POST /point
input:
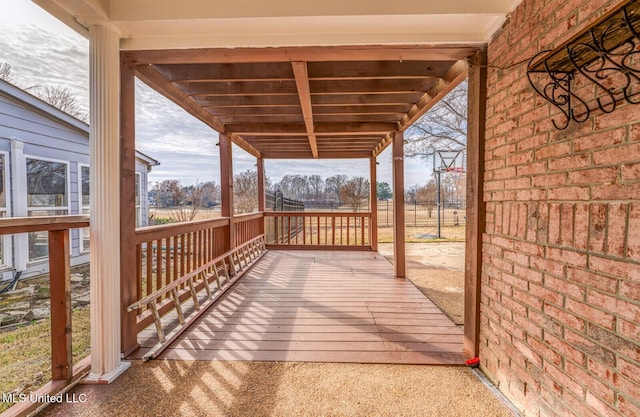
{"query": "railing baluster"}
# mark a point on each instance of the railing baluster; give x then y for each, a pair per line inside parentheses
(158, 266)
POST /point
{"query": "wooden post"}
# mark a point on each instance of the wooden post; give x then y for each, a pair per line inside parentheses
(128, 259)
(226, 187)
(398, 205)
(373, 204)
(476, 211)
(261, 196)
(60, 283)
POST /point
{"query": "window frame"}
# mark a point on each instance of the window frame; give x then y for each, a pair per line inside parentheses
(29, 209)
(81, 206)
(7, 258)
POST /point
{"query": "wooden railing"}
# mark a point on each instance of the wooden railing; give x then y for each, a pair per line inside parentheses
(63, 372)
(168, 252)
(318, 230)
(248, 226)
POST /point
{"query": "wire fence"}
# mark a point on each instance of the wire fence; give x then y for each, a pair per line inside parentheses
(450, 213)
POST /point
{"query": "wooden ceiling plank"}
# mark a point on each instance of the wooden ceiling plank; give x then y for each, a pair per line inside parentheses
(246, 118)
(335, 118)
(302, 83)
(238, 88)
(274, 71)
(264, 111)
(449, 52)
(362, 109)
(454, 76)
(365, 99)
(377, 69)
(371, 86)
(250, 101)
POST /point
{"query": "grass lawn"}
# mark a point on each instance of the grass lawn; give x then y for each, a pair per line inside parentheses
(449, 234)
(25, 354)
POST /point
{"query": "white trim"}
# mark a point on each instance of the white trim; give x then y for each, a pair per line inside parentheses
(19, 182)
(53, 208)
(7, 261)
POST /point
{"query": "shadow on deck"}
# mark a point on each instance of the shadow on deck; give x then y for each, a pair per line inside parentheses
(319, 306)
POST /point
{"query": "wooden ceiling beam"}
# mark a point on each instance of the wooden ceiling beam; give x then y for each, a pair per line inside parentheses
(454, 76)
(238, 88)
(362, 109)
(296, 129)
(382, 145)
(371, 86)
(250, 101)
(302, 83)
(272, 71)
(352, 118)
(246, 146)
(263, 111)
(308, 155)
(377, 69)
(262, 118)
(365, 99)
(306, 53)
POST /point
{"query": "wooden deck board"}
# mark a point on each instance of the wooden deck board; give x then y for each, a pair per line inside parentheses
(319, 307)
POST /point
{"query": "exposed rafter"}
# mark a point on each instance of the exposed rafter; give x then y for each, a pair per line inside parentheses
(454, 76)
(301, 75)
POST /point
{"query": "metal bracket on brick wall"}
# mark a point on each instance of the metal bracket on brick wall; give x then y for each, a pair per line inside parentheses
(596, 69)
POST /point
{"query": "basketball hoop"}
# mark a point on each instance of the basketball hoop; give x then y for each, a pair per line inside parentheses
(450, 161)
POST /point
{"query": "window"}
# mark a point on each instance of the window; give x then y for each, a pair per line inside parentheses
(47, 195)
(84, 205)
(3, 204)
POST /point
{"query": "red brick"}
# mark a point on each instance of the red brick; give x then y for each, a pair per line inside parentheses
(614, 305)
(569, 193)
(618, 155)
(548, 266)
(597, 227)
(592, 384)
(517, 183)
(554, 223)
(591, 348)
(581, 226)
(629, 330)
(633, 245)
(622, 269)
(624, 191)
(599, 140)
(590, 313)
(593, 280)
(550, 180)
(563, 379)
(627, 407)
(549, 296)
(616, 229)
(630, 172)
(565, 287)
(567, 319)
(553, 150)
(564, 348)
(527, 274)
(566, 224)
(570, 162)
(569, 257)
(594, 175)
(520, 158)
(603, 372)
(532, 142)
(604, 408)
(630, 383)
(535, 168)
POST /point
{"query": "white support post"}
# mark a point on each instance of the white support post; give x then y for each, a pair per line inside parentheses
(104, 76)
(19, 201)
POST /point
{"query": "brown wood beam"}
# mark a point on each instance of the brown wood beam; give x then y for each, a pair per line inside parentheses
(373, 205)
(310, 53)
(304, 94)
(358, 118)
(128, 279)
(261, 193)
(254, 110)
(348, 99)
(261, 118)
(382, 145)
(371, 86)
(454, 76)
(60, 296)
(362, 109)
(377, 69)
(399, 256)
(246, 146)
(476, 209)
(249, 101)
(295, 129)
(274, 71)
(242, 88)
(321, 155)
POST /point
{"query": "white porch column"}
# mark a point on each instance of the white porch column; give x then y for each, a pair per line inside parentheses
(104, 114)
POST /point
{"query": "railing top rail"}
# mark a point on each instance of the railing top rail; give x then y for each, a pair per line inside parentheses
(248, 216)
(149, 233)
(12, 225)
(318, 214)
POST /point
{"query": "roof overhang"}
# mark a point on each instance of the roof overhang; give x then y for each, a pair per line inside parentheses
(297, 79)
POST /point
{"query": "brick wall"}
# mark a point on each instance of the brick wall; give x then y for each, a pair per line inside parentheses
(560, 304)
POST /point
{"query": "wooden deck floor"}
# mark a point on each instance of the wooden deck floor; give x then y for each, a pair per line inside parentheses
(320, 307)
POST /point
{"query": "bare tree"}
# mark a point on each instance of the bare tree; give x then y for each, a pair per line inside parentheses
(5, 72)
(334, 184)
(443, 127)
(62, 99)
(355, 192)
(245, 191)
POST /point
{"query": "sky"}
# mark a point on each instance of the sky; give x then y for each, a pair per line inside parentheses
(43, 51)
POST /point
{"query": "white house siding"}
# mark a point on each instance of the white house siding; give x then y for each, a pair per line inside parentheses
(49, 134)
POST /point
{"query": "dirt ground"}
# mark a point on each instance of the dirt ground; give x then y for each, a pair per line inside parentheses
(437, 269)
